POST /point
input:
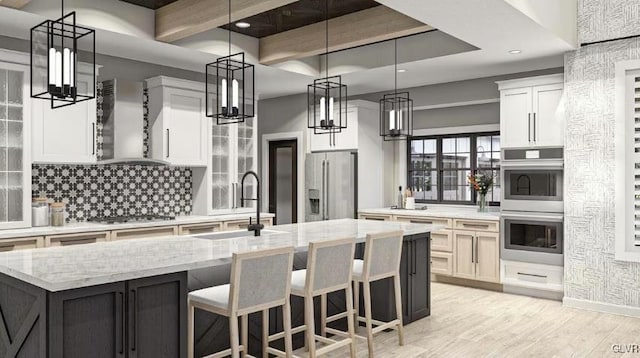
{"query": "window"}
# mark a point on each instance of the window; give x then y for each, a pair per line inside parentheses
(627, 161)
(439, 166)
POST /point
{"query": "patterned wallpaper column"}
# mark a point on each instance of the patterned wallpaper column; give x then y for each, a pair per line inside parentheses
(591, 271)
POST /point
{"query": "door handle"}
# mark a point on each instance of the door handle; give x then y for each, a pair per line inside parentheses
(415, 257)
(168, 145)
(473, 249)
(529, 127)
(324, 189)
(531, 275)
(535, 134)
(477, 244)
(134, 321)
(328, 189)
(120, 312)
(93, 139)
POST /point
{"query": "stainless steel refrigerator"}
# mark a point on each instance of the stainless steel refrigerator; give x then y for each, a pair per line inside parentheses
(331, 185)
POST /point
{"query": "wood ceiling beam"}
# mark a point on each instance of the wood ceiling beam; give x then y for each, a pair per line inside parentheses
(376, 24)
(16, 4)
(185, 18)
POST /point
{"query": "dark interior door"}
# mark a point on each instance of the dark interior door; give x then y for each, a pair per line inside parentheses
(283, 181)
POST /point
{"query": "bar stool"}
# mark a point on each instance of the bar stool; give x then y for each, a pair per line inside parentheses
(260, 280)
(329, 269)
(382, 255)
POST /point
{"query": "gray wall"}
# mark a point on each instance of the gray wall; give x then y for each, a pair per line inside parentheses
(455, 92)
(116, 67)
(591, 271)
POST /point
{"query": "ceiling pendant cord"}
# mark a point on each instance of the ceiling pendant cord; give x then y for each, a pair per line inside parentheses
(229, 29)
(395, 42)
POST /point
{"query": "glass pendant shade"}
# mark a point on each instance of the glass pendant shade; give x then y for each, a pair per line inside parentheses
(230, 89)
(327, 105)
(396, 116)
(61, 51)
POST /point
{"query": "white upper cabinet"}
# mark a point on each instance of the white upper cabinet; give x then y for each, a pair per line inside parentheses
(67, 134)
(347, 139)
(177, 121)
(531, 112)
(15, 160)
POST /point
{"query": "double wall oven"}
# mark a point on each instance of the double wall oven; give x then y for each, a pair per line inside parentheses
(532, 206)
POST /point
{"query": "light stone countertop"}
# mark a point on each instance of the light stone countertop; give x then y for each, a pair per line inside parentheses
(93, 227)
(63, 268)
(441, 211)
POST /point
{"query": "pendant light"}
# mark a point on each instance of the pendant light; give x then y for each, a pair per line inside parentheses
(58, 48)
(327, 98)
(396, 110)
(230, 89)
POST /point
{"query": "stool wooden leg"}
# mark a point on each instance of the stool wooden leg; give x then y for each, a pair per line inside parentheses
(367, 314)
(356, 300)
(265, 333)
(323, 315)
(190, 335)
(288, 341)
(234, 336)
(245, 334)
(398, 295)
(310, 326)
(350, 321)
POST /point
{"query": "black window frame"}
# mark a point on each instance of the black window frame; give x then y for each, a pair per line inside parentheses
(473, 137)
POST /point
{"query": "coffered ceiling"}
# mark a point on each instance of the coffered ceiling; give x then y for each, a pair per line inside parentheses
(150, 4)
(298, 14)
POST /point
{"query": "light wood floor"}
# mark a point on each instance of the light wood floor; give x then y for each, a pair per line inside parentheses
(468, 322)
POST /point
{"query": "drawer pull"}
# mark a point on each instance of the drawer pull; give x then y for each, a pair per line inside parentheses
(91, 240)
(476, 226)
(5, 248)
(421, 222)
(531, 275)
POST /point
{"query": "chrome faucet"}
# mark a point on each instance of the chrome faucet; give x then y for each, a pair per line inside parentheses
(257, 226)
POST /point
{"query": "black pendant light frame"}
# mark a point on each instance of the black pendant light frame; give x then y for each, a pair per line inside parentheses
(224, 77)
(328, 116)
(62, 36)
(396, 111)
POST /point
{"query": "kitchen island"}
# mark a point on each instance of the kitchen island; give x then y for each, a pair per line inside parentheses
(128, 298)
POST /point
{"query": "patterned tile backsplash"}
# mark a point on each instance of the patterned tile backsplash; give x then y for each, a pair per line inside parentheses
(105, 190)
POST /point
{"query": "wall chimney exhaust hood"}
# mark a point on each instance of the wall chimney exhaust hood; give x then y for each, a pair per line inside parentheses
(123, 124)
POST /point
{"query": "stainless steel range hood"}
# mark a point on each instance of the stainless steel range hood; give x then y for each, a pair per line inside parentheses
(123, 124)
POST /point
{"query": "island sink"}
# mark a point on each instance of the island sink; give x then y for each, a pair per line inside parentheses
(234, 234)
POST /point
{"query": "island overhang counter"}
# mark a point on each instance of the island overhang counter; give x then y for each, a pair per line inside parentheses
(128, 298)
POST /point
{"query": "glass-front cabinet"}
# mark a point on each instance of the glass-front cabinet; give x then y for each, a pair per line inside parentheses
(233, 153)
(15, 168)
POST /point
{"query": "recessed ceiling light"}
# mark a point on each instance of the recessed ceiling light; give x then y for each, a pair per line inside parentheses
(243, 25)
(515, 52)
(402, 70)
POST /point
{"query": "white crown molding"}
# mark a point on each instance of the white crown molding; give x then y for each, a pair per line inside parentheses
(531, 81)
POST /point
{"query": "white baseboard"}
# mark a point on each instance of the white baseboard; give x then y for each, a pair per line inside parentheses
(601, 307)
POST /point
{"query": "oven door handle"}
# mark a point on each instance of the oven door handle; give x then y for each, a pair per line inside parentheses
(531, 216)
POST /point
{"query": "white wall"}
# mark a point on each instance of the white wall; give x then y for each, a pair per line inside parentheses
(112, 15)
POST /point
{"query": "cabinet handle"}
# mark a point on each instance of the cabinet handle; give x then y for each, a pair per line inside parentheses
(529, 128)
(93, 138)
(90, 240)
(134, 322)
(534, 128)
(477, 244)
(415, 258)
(168, 147)
(531, 274)
(473, 249)
(122, 322)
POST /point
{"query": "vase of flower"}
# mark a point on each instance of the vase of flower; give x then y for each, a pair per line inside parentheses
(481, 183)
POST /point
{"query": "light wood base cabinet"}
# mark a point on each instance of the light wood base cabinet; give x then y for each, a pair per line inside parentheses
(144, 233)
(244, 224)
(23, 243)
(77, 239)
(477, 255)
(442, 263)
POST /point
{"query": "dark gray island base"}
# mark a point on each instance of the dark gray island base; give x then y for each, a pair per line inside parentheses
(138, 318)
(146, 317)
